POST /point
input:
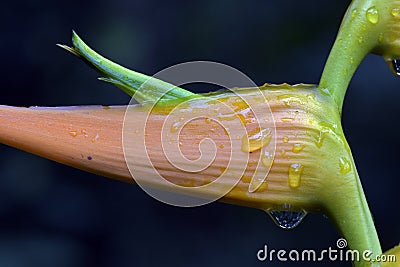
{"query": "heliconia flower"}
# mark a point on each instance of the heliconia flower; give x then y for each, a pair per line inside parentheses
(289, 159)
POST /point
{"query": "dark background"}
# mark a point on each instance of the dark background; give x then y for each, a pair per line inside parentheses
(52, 215)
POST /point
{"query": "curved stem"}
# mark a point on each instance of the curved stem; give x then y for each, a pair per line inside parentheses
(361, 32)
(352, 216)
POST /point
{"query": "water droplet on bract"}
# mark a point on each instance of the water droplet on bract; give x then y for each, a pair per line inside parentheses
(394, 66)
(84, 133)
(395, 11)
(246, 179)
(94, 139)
(295, 171)
(257, 184)
(345, 165)
(287, 219)
(175, 127)
(73, 133)
(267, 159)
(298, 147)
(372, 15)
(256, 139)
(287, 119)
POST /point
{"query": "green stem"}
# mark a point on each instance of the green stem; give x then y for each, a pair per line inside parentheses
(361, 32)
(141, 87)
(351, 215)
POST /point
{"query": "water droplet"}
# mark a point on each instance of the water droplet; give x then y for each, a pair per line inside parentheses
(345, 165)
(256, 139)
(298, 147)
(360, 39)
(287, 119)
(380, 37)
(288, 99)
(395, 11)
(267, 159)
(227, 117)
(295, 171)
(320, 138)
(287, 219)
(394, 66)
(251, 163)
(84, 132)
(372, 15)
(73, 133)
(94, 139)
(246, 179)
(354, 13)
(257, 184)
(285, 139)
(325, 91)
(311, 97)
(175, 127)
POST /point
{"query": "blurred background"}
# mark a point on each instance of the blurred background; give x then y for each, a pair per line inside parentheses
(53, 215)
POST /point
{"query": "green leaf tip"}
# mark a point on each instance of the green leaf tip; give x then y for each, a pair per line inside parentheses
(141, 87)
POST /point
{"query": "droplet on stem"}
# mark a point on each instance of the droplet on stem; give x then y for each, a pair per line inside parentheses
(345, 165)
(354, 13)
(394, 66)
(372, 15)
